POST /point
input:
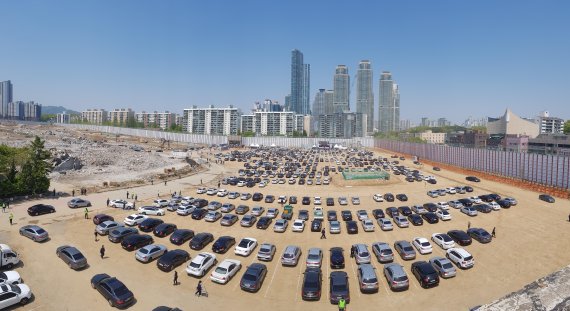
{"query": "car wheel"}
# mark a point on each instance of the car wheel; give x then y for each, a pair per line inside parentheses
(110, 302)
(24, 301)
(93, 285)
(69, 265)
(52, 211)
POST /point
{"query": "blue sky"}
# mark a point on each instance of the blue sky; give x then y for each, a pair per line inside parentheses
(451, 59)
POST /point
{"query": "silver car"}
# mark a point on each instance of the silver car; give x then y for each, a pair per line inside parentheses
(72, 257)
(401, 221)
(443, 266)
(150, 252)
(78, 202)
(385, 224)
(396, 277)
(368, 225)
(361, 214)
(212, 216)
(355, 200)
(118, 234)
(342, 200)
(418, 209)
(106, 226)
(280, 225)
(34, 232)
(272, 212)
(383, 252)
(367, 279)
(291, 255)
(266, 252)
(405, 249)
(361, 253)
(334, 226)
(314, 257)
(257, 210)
(227, 207)
(469, 210)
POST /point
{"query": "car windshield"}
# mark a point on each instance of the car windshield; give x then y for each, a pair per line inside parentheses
(40, 231)
(244, 243)
(265, 250)
(194, 265)
(425, 244)
(288, 255)
(121, 290)
(468, 258)
(143, 250)
(249, 277)
(446, 238)
(313, 256)
(447, 265)
(339, 288)
(363, 254)
(407, 248)
(15, 289)
(77, 256)
(221, 270)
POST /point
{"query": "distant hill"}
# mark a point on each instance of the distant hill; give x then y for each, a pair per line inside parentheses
(57, 109)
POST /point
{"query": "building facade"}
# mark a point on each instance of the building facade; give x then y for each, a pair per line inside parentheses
(306, 98)
(511, 124)
(364, 93)
(63, 118)
(162, 120)
(341, 90)
(550, 125)
(300, 84)
(94, 116)
(274, 123)
(121, 116)
(211, 120)
(6, 97)
(389, 104)
(342, 125)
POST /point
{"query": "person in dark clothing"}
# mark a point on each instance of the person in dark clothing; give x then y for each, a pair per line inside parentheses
(165, 182)
(352, 251)
(73, 192)
(218, 184)
(102, 251)
(96, 239)
(199, 289)
(175, 282)
(323, 236)
(468, 225)
(108, 201)
(127, 194)
(493, 232)
(54, 192)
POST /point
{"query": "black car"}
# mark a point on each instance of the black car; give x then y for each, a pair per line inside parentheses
(472, 178)
(257, 196)
(40, 209)
(303, 214)
(199, 213)
(263, 222)
(351, 227)
(430, 218)
(437, 169)
(180, 236)
(306, 201)
(223, 244)
(316, 225)
(430, 207)
(149, 224)
(495, 196)
(402, 197)
(486, 198)
(332, 216)
(425, 273)
(337, 258)
(293, 200)
(99, 218)
(378, 213)
(504, 203)
(465, 202)
(199, 203)
(405, 210)
(118, 234)
(483, 208)
(172, 259)
(389, 197)
(200, 240)
(136, 241)
(330, 201)
(480, 234)
(546, 198)
(416, 219)
(468, 188)
(253, 277)
(346, 215)
(432, 181)
(164, 229)
(339, 286)
(460, 237)
(312, 283)
(269, 198)
(114, 291)
(392, 211)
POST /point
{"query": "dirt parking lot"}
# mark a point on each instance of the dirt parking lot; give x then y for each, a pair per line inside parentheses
(532, 241)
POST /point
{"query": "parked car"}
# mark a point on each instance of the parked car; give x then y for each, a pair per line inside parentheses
(200, 240)
(443, 240)
(72, 257)
(298, 225)
(351, 227)
(346, 215)
(40, 209)
(316, 225)
(430, 217)
(224, 272)
(291, 255)
(480, 234)
(99, 218)
(280, 225)
(10, 278)
(150, 252)
(460, 237)
(272, 213)
(546, 198)
(378, 197)
(118, 234)
(368, 225)
(172, 259)
(385, 224)
(120, 204)
(134, 219)
(460, 257)
(136, 241)
(422, 245)
(180, 236)
(483, 208)
(425, 273)
(383, 252)
(361, 253)
(416, 219)
(405, 249)
(392, 211)
(113, 290)
(396, 277)
(227, 207)
(245, 246)
(402, 197)
(242, 209)
(78, 202)
(228, 220)
(201, 264)
(336, 258)
(212, 216)
(367, 279)
(164, 229)
(149, 224)
(339, 287)
(443, 215)
(378, 213)
(253, 277)
(106, 226)
(248, 221)
(472, 178)
(34, 233)
(266, 252)
(312, 284)
(257, 210)
(443, 267)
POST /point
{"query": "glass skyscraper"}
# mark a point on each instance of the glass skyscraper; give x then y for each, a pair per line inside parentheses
(300, 84)
(341, 84)
(5, 97)
(389, 104)
(364, 94)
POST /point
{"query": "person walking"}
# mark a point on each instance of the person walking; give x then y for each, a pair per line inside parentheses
(11, 218)
(199, 289)
(4, 207)
(493, 232)
(54, 192)
(201, 183)
(218, 184)
(136, 197)
(86, 213)
(352, 251)
(323, 236)
(108, 201)
(152, 181)
(102, 251)
(175, 281)
(73, 192)
(468, 225)
(341, 304)
(127, 194)
(165, 182)
(96, 239)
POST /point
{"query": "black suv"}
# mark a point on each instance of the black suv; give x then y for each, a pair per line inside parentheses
(425, 273)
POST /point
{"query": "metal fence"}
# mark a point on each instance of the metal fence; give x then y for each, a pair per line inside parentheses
(549, 170)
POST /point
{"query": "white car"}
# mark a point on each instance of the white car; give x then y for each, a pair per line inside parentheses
(10, 277)
(120, 204)
(318, 201)
(245, 246)
(282, 199)
(241, 183)
(361, 214)
(443, 205)
(151, 210)
(14, 294)
(185, 210)
(368, 225)
(378, 197)
(150, 252)
(422, 245)
(451, 190)
(160, 203)
(443, 240)
(460, 257)
(355, 200)
(443, 214)
(257, 210)
(455, 204)
(134, 219)
(225, 271)
(200, 264)
(222, 192)
(495, 206)
(298, 225)
(201, 190)
(342, 201)
(212, 191)
(233, 195)
(262, 184)
(476, 200)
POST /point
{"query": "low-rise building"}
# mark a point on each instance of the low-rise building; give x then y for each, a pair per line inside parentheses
(121, 116)
(94, 116)
(511, 124)
(343, 125)
(515, 143)
(163, 120)
(62, 118)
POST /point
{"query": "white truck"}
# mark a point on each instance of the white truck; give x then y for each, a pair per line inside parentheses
(318, 213)
(9, 258)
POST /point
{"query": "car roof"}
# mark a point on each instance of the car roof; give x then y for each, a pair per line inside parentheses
(314, 250)
(291, 248)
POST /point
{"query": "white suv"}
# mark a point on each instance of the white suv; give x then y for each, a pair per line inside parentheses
(460, 257)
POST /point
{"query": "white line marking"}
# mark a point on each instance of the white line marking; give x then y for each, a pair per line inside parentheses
(354, 272)
(271, 282)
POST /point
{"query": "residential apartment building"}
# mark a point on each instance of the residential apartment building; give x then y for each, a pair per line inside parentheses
(389, 104)
(341, 89)
(343, 125)
(162, 120)
(274, 123)
(19, 110)
(121, 116)
(62, 118)
(211, 120)
(364, 93)
(5, 97)
(94, 116)
(550, 125)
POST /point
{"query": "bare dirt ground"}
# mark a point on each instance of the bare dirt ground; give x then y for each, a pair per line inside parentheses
(531, 242)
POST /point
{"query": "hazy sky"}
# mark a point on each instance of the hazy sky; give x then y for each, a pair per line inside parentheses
(452, 59)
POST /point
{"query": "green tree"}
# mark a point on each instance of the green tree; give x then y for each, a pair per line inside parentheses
(248, 134)
(176, 128)
(567, 127)
(33, 177)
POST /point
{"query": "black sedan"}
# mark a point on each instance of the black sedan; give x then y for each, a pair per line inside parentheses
(466, 202)
(504, 203)
(223, 244)
(172, 259)
(402, 197)
(480, 235)
(460, 237)
(339, 287)
(472, 178)
(99, 218)
(180, 236)
(164, 229)
(378, 213)
(405, 210)
(306, 201)
(257, 196)
(316, 225)
(136, 241)
(430, 218)
(269, 198)
(483, 208)
(312, 283)
(346, 215)
(546, 198)
(40, 209)
(392, 211)
(495, 196)
(263, 222)
(430, 207)
(199, 213)
(416, 219)
(351, 227)
(388, 197)
(425, 273)
(200, 240)
(332, 216)
(149, 224)
(292, 200)
(337, 258)
(114, 291)
(253, 277)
